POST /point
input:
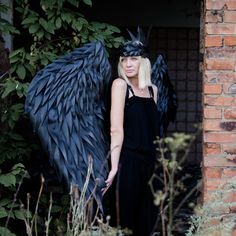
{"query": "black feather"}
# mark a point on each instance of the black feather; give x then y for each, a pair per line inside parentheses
(65, 101)
(167, 99)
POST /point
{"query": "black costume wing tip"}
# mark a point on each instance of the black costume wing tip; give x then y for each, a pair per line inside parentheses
(167, 100)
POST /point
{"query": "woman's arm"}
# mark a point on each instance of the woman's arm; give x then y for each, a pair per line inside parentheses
(155, 92)
(118, 94)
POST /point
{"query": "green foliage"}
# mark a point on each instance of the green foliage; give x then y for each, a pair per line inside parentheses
(14, 148)
(10, 179)
(5, 26)
(6, 232)
(173, 151)
(51, 29)
(12, 172)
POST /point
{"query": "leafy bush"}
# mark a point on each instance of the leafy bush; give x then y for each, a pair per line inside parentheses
(49, 29)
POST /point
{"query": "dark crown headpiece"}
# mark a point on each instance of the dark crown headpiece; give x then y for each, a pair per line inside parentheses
(137, 46)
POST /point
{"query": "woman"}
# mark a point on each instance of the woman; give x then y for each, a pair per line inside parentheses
(133, 131)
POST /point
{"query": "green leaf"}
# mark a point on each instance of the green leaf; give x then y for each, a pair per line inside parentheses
(22, 214)
(29, 20)
(16, 137)
(44, 23)
(40, 34)
(19, 214)
(18, 169)
(44, 61)
(33, 28)
(58, 23)
(21, 72)
(67, 17)
(9, 86)
(113, 28)
(56, 209)
(16, 52)
(88, 2)
(3, 212)
(5, 202)
(8, 180)
(6, 232)
(74, 2)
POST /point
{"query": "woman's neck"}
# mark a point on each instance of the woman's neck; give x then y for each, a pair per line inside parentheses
(134, 81)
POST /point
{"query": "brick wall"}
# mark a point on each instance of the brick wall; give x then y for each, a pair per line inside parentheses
(219, 97)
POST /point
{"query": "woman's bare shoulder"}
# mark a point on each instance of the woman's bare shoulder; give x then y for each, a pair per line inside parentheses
(119, 83)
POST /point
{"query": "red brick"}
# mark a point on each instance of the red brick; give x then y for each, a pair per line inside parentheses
(212, 113)
(230, 196)
(219, 4)
(213, 17)
(208, 196)
(231, 4)
(214, 184)
(212, 172)
(212, 88)
(221, 53)
(220, 64)
(211, 148)
(229, 88)
(231, 158)
(213, 41)
(230, 113)
(220, 76)
(220, 137)
(229, 172)
(230, 40)
(220, 28)
(230, 16)
(212, 125)
(229, 149)
(217, 161)
(219, 101)
(211, 222)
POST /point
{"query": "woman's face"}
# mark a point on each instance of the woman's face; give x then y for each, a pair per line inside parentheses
(130, 65)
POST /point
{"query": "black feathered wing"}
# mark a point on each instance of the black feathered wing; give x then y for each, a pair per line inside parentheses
(65, 102)
(166, 98)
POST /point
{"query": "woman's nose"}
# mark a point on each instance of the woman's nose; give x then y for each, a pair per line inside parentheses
(128, 62)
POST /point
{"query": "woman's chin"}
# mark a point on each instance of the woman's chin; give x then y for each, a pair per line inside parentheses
(130, 75)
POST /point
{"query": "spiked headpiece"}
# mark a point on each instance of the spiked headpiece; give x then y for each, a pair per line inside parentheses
(137, 46)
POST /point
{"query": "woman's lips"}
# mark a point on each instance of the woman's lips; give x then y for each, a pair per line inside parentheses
(129, 71)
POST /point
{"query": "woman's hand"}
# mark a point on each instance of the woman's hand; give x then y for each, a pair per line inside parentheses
(109, 180)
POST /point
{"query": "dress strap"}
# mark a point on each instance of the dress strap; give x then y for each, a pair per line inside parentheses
(151, 92)
(129, 88)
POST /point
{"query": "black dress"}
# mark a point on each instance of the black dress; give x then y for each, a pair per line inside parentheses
(135, 208)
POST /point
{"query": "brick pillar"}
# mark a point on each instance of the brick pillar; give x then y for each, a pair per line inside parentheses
(219, 96)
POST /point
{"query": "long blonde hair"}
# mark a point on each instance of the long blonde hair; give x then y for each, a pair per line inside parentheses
(144, 74)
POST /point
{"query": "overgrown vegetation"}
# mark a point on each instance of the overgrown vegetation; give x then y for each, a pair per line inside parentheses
(170, 174)
(48, 29)
(208, 219)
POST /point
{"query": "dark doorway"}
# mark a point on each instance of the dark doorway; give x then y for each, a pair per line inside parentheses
(176, 34)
